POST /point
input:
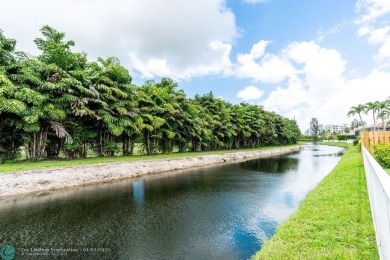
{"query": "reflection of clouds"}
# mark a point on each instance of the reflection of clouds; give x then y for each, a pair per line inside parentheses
(289, 200)
(246, 242)
(268, 226)
(295, 185)
(278, 212)
(138, 192)
(280, 194)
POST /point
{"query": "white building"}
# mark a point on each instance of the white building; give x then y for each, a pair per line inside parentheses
(330, 128)
(334, 129)
(308, 132)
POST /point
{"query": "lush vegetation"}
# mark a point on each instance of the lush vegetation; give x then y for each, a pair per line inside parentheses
(333, 222)
(382, 154)
(380, 111)
(59, 103)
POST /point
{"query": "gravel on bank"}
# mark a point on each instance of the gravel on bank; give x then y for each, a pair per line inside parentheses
(32, 182)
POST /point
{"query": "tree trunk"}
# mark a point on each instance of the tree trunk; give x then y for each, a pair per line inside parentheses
(193, 148)
(182, 147)
(35, 149)
(84, 152)
(147, 142)
(100, 148)
(126, 145)
(131, 147)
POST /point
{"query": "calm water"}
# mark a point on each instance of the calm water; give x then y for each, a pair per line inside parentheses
(224, 212)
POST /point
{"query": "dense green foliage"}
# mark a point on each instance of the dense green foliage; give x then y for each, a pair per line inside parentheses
(59, 103)
(333, 222)
(382, 154)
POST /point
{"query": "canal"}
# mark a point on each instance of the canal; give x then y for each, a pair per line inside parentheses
(221, 212)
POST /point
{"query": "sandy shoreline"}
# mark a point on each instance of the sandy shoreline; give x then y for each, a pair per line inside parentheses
(32, 182)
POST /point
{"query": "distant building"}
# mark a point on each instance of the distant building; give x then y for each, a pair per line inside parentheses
(335, 129)
(308, 132)
(329, 128)
(378, 126)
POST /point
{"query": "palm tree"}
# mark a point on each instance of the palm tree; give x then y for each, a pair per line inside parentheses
(58, 101)
(359, 109)
(374, 107)
(384, 112)
(116, 95)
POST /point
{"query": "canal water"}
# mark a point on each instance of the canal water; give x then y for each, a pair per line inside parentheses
(222, 212)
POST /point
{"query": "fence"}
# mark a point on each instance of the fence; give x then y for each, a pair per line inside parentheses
(378, 183)
(369, 139)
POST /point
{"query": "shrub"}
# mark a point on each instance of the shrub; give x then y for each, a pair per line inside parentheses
(356, 141)
(382, 155)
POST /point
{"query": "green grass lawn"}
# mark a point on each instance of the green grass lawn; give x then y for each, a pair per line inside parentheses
(333, 222)
(20, 166)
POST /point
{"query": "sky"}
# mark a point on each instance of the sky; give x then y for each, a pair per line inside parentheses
(301, 59)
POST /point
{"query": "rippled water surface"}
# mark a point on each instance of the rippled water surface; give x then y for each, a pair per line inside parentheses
(223, 212)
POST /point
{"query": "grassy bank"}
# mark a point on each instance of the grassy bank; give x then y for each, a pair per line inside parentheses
(333, 222)
(26, 165)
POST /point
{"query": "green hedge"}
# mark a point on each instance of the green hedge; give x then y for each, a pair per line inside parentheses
(382, 154)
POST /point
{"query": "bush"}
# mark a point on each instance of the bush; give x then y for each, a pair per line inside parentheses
(356, 141)
(382, 154)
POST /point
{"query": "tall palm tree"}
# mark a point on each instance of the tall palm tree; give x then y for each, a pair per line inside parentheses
(374, 107)
(359, 109)
(113, 83)
(384, 112)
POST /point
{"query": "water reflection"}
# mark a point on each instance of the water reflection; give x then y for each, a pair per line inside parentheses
(245, 241)
(224, 212)
(138, 192)
(329, 155)
(279, 164)
(268, 226)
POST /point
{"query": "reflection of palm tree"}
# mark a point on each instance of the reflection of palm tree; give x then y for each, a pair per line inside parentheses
(359, 109)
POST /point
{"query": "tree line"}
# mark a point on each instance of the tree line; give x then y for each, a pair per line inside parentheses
(60, 103)
(380, 111)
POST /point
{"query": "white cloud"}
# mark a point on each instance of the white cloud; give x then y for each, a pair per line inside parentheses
(315, 77)
(250, 93)
(322, 68)
(322, 33)
(174, 38)
(261, 66)
(320, 89)
(316, 84)
(379, 36)
(372, 9)
(373, 13)
(384, 52)
(363, 30)
(284, 100)
(215, 61)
